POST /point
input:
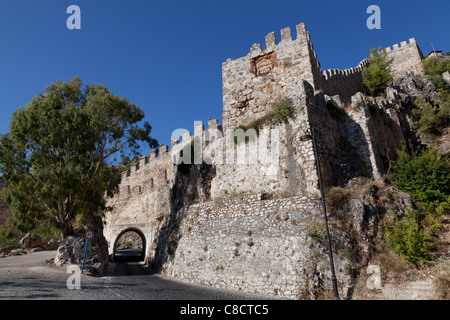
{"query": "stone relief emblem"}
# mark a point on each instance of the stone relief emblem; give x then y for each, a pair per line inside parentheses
(263, 65)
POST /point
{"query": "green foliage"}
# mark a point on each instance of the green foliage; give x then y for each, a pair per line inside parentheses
(7, 237)
(56, 155)
(433, 118)
(376, 76)
(411, 237)
(281, 111)
(426, 175)
(434, 66)
(439, 82)
(316, 231)
(126, 245)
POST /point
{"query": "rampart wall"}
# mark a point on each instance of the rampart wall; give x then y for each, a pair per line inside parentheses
(252, 244)
(344, 83)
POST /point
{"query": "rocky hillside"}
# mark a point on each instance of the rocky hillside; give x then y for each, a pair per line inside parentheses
(359, 214)
(363, 209)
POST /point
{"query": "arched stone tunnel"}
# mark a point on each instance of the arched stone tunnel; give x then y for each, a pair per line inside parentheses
(144, 230)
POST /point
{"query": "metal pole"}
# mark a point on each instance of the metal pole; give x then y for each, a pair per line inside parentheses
(330, 253)
(84, 257)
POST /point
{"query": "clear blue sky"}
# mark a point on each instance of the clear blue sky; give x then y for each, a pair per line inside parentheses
(166, 56)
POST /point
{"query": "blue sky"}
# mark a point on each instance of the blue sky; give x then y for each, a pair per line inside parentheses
(166, 56)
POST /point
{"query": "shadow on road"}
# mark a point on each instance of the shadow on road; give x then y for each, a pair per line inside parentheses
(127, 262)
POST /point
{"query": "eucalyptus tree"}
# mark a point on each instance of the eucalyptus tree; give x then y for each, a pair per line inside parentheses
(57, 157)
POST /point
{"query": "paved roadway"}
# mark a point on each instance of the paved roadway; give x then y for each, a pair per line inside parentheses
(29, 277)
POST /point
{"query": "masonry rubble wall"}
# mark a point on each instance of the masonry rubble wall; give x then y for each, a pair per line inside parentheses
(251, 244)
(252, 84)
(406, 58)
(344, 83)
(143, 198)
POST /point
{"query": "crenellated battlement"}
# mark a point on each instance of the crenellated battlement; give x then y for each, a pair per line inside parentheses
(251, 84)
(403, 44)
(406, 58)
(330, 73)
(160, 162)
(302, 34)
(145, 162)
(344, 83)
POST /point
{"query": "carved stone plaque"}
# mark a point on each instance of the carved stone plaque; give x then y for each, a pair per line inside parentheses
(263, 65)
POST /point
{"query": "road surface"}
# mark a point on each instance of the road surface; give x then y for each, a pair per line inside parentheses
(29, 277)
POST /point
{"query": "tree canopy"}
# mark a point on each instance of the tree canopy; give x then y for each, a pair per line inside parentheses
(57, 155)
(433, 66)
(377, 76)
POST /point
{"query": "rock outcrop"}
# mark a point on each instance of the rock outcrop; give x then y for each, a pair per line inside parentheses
(71, 250)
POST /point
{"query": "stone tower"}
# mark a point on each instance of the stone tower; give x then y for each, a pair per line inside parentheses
(251, 84)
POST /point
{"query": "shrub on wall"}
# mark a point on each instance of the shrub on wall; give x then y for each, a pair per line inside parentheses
(337, 198)
(281, 111)
(434, 68)
(431, 117)
(426, 175)
(376, 75)
(411, 237)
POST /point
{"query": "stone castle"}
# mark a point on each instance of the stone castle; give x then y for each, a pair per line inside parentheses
(244, 225)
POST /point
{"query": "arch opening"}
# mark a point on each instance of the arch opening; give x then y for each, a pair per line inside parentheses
(129, 246)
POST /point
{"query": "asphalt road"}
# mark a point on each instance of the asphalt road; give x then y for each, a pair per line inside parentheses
(29, 277)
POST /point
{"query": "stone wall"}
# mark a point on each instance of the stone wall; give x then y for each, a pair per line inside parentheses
(282, 164)
(344, 83)
(251, 244)
(358, 138)
(406, 58)
(273, 161)
(253, 83)
(143, 199)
